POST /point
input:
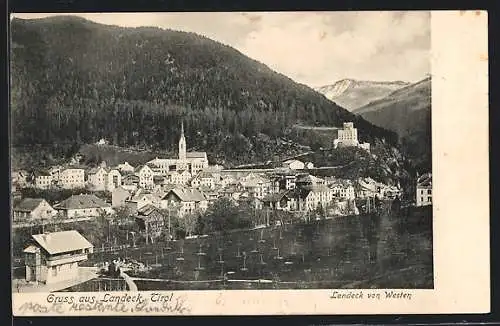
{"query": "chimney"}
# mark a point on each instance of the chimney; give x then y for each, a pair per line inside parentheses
(46, 237)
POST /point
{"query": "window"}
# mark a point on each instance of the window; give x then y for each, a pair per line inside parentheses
(54, 271)
(428, 191)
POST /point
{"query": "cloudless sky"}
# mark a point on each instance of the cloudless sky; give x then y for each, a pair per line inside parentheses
(313, 48)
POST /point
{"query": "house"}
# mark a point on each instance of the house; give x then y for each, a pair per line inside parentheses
(279, 201)
(54, 257)
(142, 198)
(294, 165)
(130, 182)
(42, 179)
(285, 182)
(72, 178)
(159, 183)
(179, 177)
(309, 165)
(145, 175)
(257, 185)
(83, 206)
(113, 180)
(225, 181)
(307, 180)
(424, 190)
(203, 179)
(97, 178)
(367, 187)
(33, 209)
(187, 200)
(102, 141)
(211, 194)
(119, 196)
(308, 199)
(125, 168)
(343, 189)
(150, 222)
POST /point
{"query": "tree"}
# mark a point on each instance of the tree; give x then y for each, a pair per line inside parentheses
(320, 211)
(221, 216)
(190, 223)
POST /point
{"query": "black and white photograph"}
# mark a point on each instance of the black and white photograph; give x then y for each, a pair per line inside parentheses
(221, 151)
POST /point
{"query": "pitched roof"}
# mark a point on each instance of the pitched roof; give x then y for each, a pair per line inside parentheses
(254, 182)
(64, 241)
(142, 195)
(292, 161)
(41, 173)
(146, 210)
(274, 197)
(427, 182)
(82, 201)
(97, 169)
(309, 178)
(187, 194)
(204, 174)
(140, 167)
(28, 204)
(196, 154)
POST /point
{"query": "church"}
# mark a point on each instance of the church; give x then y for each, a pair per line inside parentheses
(193, 162)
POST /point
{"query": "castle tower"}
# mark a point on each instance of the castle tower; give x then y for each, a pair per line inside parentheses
(182, 144)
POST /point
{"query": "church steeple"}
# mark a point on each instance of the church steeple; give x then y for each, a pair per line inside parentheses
(182, 144)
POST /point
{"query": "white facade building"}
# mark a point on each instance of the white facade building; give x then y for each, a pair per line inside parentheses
(424, 190)
(54, 257)
(72, 178)
(348, 137)
(294, 165)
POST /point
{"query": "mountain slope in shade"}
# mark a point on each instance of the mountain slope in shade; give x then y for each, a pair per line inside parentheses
(406, 111)
(353, 94)
(75, 82)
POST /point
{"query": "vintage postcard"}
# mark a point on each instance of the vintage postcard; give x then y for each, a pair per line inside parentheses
(231, 163)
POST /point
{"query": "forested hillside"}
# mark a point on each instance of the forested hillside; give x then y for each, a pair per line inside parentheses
(75, 81)
(407, 111)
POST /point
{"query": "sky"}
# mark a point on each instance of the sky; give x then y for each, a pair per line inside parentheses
(313, 48)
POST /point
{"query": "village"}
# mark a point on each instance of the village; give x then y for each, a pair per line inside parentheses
(155, 192)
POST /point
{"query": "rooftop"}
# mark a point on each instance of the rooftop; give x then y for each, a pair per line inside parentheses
(187, 194)
(59, 242)
(196, 154)
(81, 202)
(28, 204)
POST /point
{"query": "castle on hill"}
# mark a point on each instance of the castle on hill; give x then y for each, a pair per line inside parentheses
(348, 137)
(193, 162)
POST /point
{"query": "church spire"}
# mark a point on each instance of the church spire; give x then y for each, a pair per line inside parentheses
(182, 143)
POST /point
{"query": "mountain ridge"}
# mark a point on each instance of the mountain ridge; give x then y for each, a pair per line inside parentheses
(406, 111)
(76, 81)
(353, 93)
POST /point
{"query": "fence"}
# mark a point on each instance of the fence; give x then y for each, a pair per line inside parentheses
(100, 285)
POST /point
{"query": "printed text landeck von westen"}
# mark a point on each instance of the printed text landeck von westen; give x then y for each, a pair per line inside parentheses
(360, 295)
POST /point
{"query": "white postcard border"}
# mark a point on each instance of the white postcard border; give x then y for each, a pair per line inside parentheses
(460, 139)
